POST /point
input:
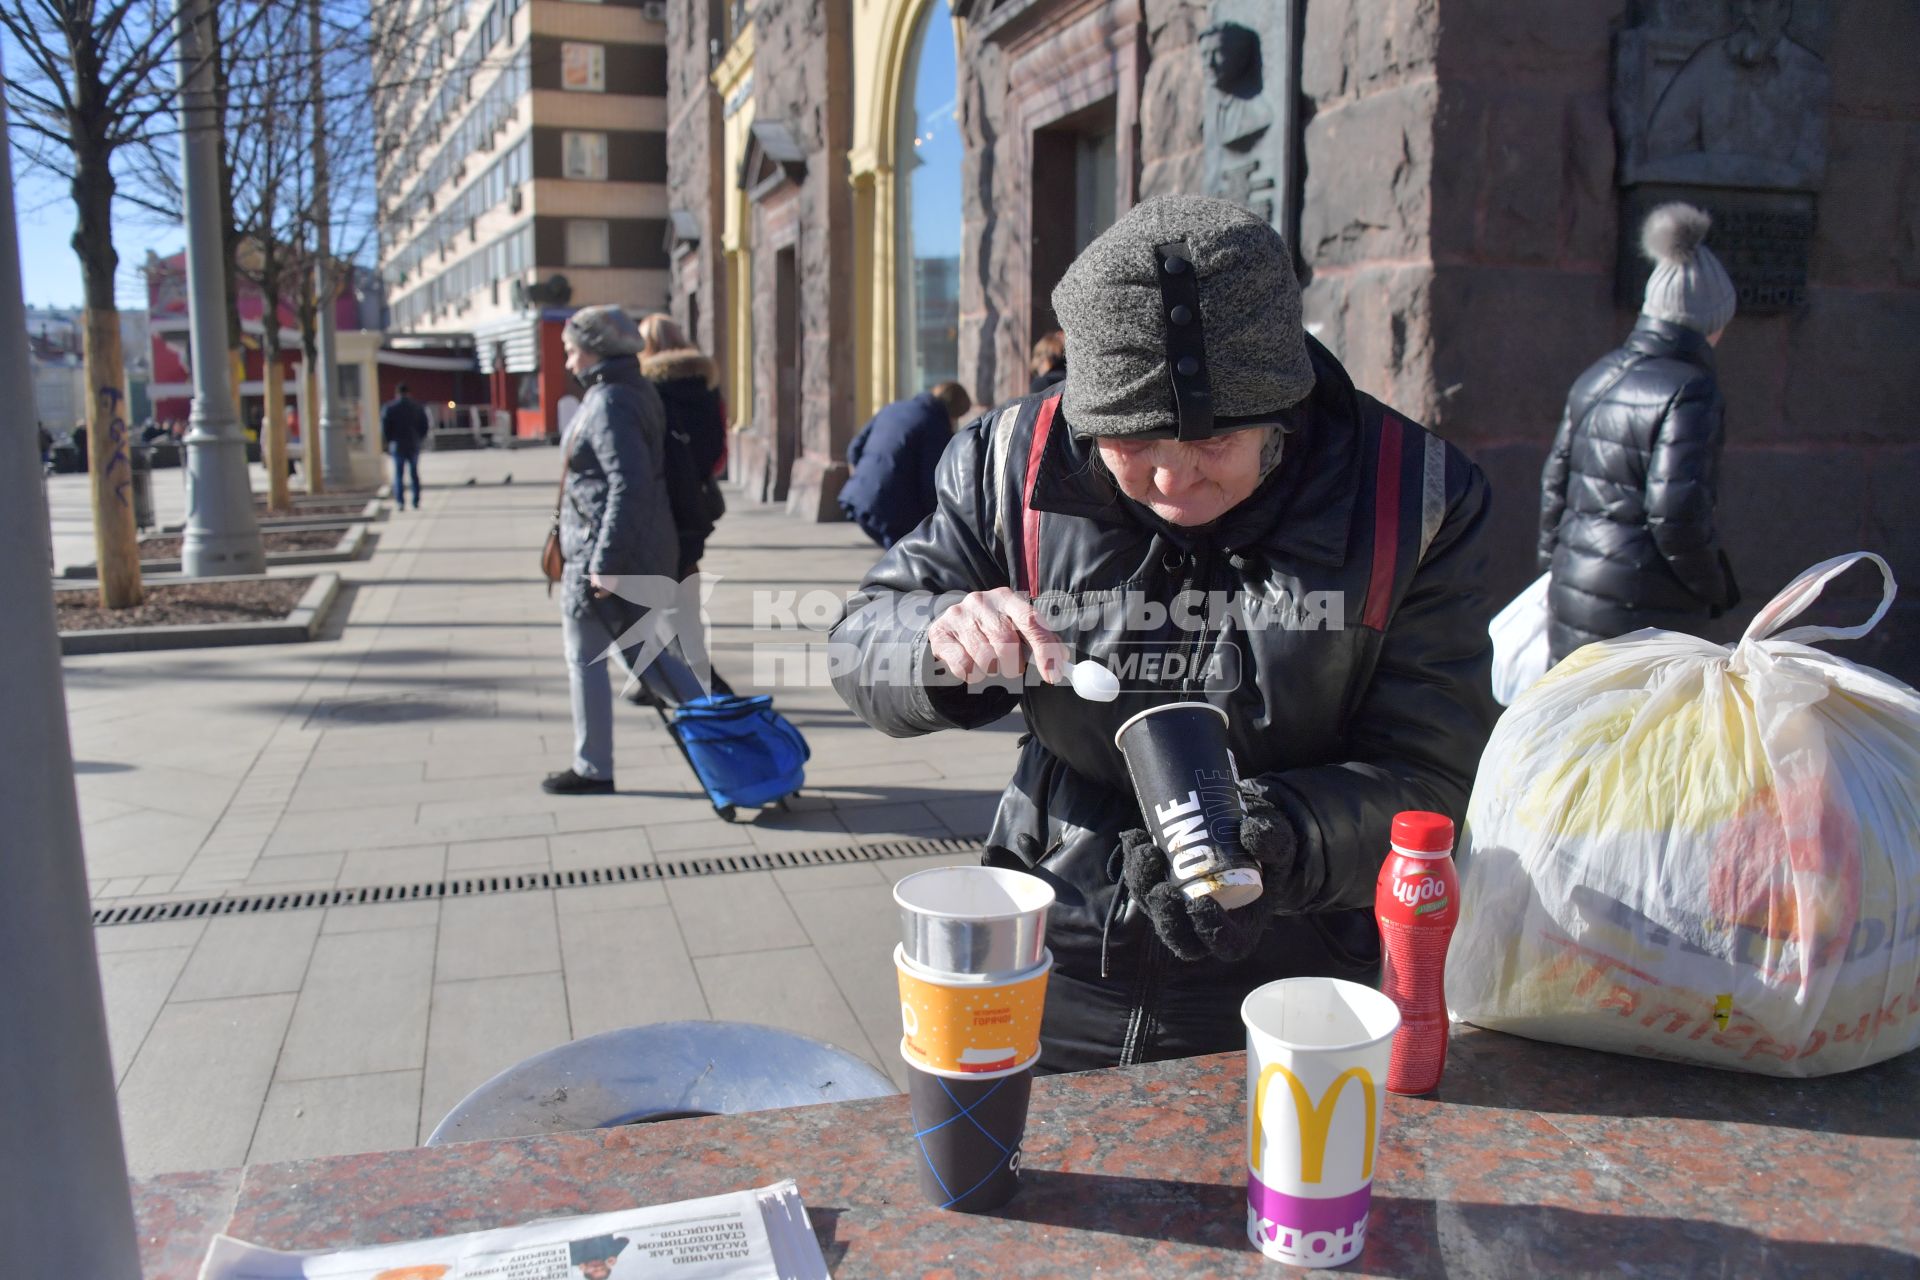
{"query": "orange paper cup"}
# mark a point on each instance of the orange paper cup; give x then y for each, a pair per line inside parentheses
(959, 1024)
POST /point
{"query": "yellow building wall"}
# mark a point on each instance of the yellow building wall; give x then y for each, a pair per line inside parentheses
(883, 41)
(730, 78)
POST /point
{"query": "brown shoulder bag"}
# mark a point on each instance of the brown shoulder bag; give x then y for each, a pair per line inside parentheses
(553, 561)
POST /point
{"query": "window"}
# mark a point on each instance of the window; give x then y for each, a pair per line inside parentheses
(583, 67)
(927, 252)
(584, 155)
(587, 242)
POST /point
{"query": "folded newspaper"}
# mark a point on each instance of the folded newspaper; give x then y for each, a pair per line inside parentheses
(747, 1235)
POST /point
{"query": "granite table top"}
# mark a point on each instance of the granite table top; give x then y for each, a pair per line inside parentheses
(1530, 1160)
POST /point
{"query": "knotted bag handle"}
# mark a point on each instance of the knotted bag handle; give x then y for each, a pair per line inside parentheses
(1804, 590)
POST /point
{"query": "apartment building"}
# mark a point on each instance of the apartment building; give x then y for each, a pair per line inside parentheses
(521, 174)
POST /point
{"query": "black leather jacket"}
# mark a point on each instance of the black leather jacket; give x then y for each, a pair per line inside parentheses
(1363, 691)
(1627, 495)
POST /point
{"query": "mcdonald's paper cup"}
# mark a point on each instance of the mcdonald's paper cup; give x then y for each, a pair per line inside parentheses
(969, 1025)
(1317, 1054)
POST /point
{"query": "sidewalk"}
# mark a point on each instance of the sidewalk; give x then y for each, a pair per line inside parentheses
(407, 750)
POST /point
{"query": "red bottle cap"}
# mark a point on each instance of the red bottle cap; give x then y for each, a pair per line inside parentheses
(1420, 832)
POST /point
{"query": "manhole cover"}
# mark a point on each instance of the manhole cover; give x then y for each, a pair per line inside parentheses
(403, 708)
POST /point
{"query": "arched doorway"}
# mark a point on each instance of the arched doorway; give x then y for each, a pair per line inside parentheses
(927, 209)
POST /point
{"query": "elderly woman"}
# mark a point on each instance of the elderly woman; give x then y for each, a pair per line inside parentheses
(1209, 493)
(615, 522)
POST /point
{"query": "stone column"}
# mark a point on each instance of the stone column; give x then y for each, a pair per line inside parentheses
(64, 1208)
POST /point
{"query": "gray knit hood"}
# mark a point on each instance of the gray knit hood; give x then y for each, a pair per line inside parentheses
(1110, 304)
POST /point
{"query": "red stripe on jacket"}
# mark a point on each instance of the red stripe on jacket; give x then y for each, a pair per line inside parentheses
(1029, 518)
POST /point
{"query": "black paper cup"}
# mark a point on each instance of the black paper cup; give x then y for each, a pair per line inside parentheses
(1189, 794)
(968, 1135)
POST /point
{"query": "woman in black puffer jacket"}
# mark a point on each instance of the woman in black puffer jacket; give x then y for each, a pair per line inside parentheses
(696, 431)
(1627, 497)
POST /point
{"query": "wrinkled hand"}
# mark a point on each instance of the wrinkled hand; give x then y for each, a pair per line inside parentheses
(1196, 928)
(990, 633)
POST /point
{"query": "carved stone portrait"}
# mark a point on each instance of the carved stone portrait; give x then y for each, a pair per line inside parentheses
(1724, 93)
(1247, 57)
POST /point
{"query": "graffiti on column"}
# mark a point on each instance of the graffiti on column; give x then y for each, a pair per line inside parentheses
(119, 471)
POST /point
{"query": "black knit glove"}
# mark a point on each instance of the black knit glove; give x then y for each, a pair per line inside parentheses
(1196, 928)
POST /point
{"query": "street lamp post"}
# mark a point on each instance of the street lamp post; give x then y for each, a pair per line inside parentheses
(222, 537)
(336, 468)
(64, 1207)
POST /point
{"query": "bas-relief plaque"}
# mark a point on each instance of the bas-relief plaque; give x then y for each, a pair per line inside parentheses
(1723, 104)
(1250, 121)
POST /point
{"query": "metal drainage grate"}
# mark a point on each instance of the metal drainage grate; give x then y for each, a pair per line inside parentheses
(639, 872)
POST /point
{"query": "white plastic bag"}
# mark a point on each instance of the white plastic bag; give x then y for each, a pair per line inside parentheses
(1699, 853)
(1519, 634)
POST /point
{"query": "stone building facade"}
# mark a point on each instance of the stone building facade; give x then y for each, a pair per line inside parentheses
(759, 115)
(1463, 181)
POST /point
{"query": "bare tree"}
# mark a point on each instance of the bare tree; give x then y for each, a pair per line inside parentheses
(99, 75)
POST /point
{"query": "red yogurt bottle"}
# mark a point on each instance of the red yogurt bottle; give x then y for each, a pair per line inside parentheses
(1417, 903)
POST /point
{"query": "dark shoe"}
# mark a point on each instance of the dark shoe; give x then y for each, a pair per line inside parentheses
(570, 783)
(641, 696)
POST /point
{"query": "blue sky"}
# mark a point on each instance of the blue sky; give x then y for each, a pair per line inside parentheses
(50, 271)
(936, 183)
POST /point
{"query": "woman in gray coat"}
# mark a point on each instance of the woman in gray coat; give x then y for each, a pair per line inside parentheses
(615, 523)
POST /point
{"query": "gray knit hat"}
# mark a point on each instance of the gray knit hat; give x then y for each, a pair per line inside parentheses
(1140, 362)
(603, 331)
(1688, 285)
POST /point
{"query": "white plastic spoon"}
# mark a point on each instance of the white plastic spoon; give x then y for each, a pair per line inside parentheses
(1094, 682)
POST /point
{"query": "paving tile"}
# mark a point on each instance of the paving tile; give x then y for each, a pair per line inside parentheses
(158, 885)
(354, 775)
(779, 832)
(832, 875)
(408, 864)
(626, 968)
(970, 815)
(898, 869)
(854, 933)
(134, 985)
(591, 850)
(727, 913)
(305, 868)
(366, 917)
(497, 935)
(340, 1116)
(194, 1092)
(363, 1007)
(628, 810)
(708, 832)
(592, 898)
(481, 1028)
(479, 855)
(871, 820)
(790, 989)
(250, 955)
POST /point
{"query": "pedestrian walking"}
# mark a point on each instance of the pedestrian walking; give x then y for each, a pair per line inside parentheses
(1201, 443)
(616, 522)
(894, 460)
(1627, 495)
(688, 385)
(1048, 364)
(403, 426)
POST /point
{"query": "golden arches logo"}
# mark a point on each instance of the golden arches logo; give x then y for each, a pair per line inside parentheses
(1316, 1118)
